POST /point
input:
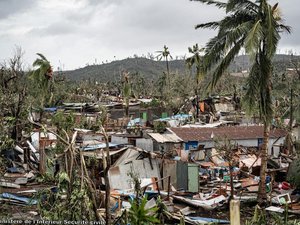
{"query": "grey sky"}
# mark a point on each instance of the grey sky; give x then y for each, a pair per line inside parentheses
(72, 33)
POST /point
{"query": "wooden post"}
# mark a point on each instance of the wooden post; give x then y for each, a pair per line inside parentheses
(42, 165)
(156, 181)
(169, 186)
(235, 212)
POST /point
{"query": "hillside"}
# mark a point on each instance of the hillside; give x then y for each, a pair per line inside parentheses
(152, 69)
(111, 71)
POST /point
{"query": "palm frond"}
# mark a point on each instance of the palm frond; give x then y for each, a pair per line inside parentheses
(210, 25)
(272, 34)
(284, 28)
(233, 20)
(236, 34)
(265, 100)
(254, 37)
(225, 62)
(252, 84)
(42, 56)
(236, 5)
(214, 51)
(212, 2)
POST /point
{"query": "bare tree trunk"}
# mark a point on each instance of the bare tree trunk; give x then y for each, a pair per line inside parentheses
(106, 166)
(168, 74)
(289, 136)
(231, 181)
(262, 195)
(127, 107)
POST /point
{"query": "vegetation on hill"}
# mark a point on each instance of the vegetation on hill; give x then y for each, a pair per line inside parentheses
(152, 69)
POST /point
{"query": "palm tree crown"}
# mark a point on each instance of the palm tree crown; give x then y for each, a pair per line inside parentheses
(255, 26)
(197, 60)
(43, 72)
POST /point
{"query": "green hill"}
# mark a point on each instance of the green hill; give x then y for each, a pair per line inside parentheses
(112, 71)
(150, 69)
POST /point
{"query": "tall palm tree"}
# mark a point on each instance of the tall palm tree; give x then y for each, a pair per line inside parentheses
(255, 26)
(126, 92)
(166, 55)
(42, 76)
(197, 60)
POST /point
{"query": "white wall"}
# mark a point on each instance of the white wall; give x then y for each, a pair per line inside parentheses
(250, 143)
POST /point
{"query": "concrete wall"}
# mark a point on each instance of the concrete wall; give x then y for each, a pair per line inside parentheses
(252, 143)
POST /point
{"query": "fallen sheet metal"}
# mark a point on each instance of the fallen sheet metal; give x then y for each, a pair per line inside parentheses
(275, 209)
(205, 204)
(187, 211)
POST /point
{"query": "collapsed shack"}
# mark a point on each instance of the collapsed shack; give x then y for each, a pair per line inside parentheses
(192, 186)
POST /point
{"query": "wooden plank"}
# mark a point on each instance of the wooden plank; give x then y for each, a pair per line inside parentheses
(235, 212)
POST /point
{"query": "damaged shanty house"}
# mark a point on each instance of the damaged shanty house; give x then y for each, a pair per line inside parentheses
(249, 136)
(137, 162)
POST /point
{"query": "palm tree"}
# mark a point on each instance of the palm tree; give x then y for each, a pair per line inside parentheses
(126, 92)
(165, 54)
(255, 26)
(196, 59)
(42, 75)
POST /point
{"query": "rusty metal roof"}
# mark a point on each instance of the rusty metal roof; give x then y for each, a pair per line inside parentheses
(231, 132)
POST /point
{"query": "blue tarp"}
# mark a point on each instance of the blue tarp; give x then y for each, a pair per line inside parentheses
(176, 117)
(25, 200)
(210, 220)
(52, 109)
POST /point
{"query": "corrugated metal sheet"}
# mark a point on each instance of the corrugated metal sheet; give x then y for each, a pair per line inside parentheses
(98, 154)
(231, 132)
(146, 144)
(164, 138)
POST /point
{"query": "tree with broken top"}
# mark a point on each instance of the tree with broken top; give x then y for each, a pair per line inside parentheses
(255, 26)
(196, 60)
(75, 188)
(42, 79)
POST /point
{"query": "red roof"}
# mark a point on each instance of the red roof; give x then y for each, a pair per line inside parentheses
(230, 132)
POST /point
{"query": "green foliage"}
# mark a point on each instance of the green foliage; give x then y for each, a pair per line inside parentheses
(53, 205)
(260, 217)
(42, 82)
(160, 126)
(109, 72)
(139, 215)
(13, 98)
(256, 27)
(162, 210)
(293, 173)
(63, 121)
(196, 60)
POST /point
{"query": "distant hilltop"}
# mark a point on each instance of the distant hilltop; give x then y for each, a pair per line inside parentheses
(152, 69)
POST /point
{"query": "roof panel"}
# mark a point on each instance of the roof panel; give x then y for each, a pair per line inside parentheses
(231, 132)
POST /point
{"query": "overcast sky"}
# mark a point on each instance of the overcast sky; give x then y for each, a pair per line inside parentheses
(72, 33)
